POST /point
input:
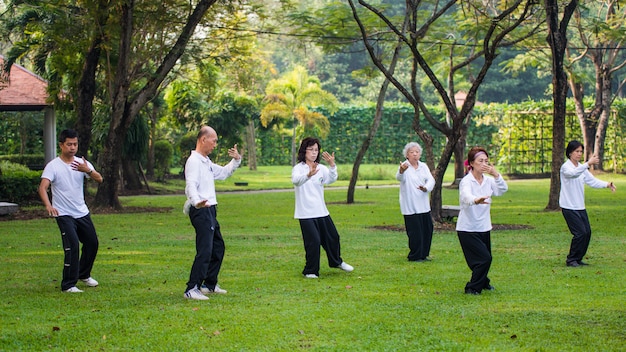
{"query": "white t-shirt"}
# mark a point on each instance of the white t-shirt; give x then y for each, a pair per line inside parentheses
(67, 187)
(412, 199)
(477, 217)
(310, 202)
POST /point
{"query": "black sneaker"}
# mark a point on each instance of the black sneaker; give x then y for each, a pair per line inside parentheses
(471, 291)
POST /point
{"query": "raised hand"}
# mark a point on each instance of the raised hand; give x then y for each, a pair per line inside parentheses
(330, 159)
(233, 153)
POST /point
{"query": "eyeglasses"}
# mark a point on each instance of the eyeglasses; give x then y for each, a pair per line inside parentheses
(314, 150)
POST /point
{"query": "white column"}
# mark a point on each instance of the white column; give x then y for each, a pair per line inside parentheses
(49, 134)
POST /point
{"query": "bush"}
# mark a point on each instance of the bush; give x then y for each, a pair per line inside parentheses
(18, 183)
(187, 143)
(163, 152)
(32, 161)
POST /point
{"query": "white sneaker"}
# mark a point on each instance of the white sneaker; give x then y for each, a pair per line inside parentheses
(73, 289)
(311, 276)
(90, 282)
(345, 267)
(194, 293)
(217, 289)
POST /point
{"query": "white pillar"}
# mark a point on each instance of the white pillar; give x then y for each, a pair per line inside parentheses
(49, 134)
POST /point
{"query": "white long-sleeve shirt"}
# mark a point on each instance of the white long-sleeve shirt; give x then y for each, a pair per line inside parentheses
(309, 191)
(573, 179)
(200, 174)
(477, 217)
(412, 199)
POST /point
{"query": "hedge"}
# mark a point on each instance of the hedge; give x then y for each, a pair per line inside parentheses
(17, 183)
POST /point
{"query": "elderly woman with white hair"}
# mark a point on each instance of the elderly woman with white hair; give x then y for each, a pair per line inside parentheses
(416, 182)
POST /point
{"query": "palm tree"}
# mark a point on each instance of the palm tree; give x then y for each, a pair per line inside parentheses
(289, 99)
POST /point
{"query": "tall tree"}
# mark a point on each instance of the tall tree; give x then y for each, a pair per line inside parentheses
(127, 99)
(600, 33)
(557, 39)
(289, 98)
(483, 28)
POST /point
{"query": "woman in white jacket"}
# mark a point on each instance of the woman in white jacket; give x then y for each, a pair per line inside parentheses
(474, 223)
(574, 176)
(309, 177)
(416, 182)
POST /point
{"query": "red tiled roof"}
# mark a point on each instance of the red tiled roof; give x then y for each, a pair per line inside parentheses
(24, 90)
(460, 96)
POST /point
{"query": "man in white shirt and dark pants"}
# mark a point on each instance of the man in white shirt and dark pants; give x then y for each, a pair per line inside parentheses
(200, 173)
(66, 174)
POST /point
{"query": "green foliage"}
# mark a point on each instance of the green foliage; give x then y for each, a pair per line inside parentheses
(186, 144)
(163, 152)
(522, 139)
(32, 161)
(137, 137)
(289, 100)
(20, 132)
(18, 183)
(350, 125)
(229, 114)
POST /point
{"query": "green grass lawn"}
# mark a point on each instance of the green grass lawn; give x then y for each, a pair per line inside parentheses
(386, 304)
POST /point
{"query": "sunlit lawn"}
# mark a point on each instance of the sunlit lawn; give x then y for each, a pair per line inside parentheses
(386, 304)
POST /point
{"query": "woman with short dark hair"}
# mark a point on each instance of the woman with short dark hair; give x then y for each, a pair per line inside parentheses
(574, 175)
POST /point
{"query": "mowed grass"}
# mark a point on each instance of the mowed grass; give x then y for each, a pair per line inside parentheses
(386, 304)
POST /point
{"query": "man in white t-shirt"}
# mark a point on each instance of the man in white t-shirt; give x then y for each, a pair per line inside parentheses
(65, 174)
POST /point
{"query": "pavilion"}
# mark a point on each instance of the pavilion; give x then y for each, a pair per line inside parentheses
(26, 91)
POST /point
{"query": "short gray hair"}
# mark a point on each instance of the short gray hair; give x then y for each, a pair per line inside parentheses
(409, 146)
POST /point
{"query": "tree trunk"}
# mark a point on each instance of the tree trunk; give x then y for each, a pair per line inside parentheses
(557, 40)
(603, 121)
(87, 83)
(380, 102)
(459, 160)
(378, 115)
(153, 136)
(251, 144)
(294, 150)
(107, 195)
(132, 181)
(86, 94)
(124, 110)
(436, 200)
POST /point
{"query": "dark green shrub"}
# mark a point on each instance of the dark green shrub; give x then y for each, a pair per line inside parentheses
(18, 183)
(32, 161)
(187, 143)
(163, 152)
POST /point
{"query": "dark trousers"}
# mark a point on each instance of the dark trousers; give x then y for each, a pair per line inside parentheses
(77, 265)
(477, 250)
(210, 248)
(578, 223)
(320, 232)
(419, 229)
